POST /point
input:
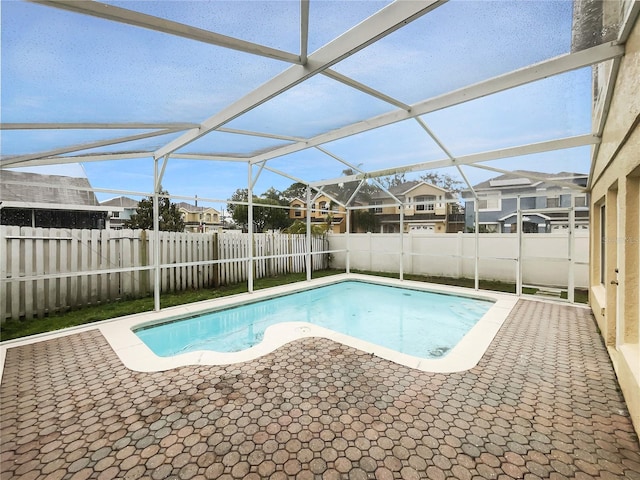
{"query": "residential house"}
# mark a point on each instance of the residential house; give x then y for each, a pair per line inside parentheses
(199, 219)
(49, 201)
(614, 263)
(545, 199)
(324, 212)
(427, 209)
(121, 210)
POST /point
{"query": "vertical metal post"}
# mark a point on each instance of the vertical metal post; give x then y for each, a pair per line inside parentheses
(250, 229)
(402, 242)
(308, 247)
(476, 280)
(519, 253)
(348, 256)
(156, 237)
(571, 251)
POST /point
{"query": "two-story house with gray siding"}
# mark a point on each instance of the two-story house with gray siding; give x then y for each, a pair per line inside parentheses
(545, 199)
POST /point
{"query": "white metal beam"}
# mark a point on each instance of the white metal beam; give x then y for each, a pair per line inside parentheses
(570, 142)
(97, 126)
(87, 146)
(539, 71)
(447, 152)
(364, 89)
(304, 30)
(81, 158)
(138, 19)
(389, 19)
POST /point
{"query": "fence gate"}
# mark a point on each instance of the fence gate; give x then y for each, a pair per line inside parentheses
(547, 243)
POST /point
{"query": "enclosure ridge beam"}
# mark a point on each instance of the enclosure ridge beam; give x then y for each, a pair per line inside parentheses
(364, 89)
(523, 76)
(570, 142)
(81, 158)
(150, 22)
(96, 126)
(377, 26)
(101, 143)
(260, 134)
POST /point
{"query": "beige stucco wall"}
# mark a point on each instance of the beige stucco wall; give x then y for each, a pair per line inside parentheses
(616, 185)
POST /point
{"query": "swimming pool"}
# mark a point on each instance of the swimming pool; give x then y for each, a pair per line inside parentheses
(420, 323)
(137, 355)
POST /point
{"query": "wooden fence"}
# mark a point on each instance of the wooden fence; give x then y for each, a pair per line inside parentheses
(45, 270)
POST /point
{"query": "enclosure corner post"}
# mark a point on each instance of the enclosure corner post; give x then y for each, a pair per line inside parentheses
(250, 230)
(572, 245)
(401, 242)
(348, 256)
(476, 282)
(308, 238)
(156, 237)
(519, 256)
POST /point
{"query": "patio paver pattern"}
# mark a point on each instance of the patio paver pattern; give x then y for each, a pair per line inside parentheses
(542, 403)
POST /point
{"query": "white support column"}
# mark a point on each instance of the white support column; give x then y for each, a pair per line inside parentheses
(348, 255)
(571, 251)
(156, 236)
(476, 280)
(401, 241)
(250, 229)
(308, 246)
(519, 254)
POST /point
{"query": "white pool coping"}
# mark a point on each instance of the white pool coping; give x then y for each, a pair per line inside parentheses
(136, 356)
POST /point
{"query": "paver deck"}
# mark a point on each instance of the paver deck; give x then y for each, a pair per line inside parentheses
(542, 403)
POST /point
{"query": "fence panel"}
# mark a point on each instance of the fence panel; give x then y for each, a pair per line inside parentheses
(48, 270)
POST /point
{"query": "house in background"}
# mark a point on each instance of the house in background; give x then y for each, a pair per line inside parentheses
(199, 219)
(121, 210)
(334, 221)
(49, 201)
(497, 201)
(428, 209)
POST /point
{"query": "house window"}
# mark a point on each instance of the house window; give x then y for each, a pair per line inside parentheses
(553, 202)
(490, 203)
(297, 209)
(115, 214)
(324, 207)
(580, 201)
(378, 209)
(421, 200)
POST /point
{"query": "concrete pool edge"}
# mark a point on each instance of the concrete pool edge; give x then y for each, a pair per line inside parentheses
(135, 355)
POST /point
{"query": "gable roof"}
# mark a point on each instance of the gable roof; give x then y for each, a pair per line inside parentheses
(125, 202)
(53, 189)
(521, 179)
(192, 208)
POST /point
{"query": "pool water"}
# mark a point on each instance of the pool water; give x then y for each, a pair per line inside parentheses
(415, 322)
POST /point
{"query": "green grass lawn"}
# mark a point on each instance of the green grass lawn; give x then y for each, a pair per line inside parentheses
(21, 328)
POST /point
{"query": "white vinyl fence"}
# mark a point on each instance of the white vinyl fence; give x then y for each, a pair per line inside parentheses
(544, 257)
(47, 269)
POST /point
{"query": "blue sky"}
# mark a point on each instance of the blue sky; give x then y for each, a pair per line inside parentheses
(59, 66)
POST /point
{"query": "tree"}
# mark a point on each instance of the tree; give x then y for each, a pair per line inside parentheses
(299, 227)
(295, 190)
(264, 218)
(443, 180)
(170, 216)
(394, 180)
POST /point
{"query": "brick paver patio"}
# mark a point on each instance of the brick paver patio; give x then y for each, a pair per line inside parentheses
(542, 403)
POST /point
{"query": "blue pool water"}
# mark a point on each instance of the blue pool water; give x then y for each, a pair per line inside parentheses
(414, 322)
